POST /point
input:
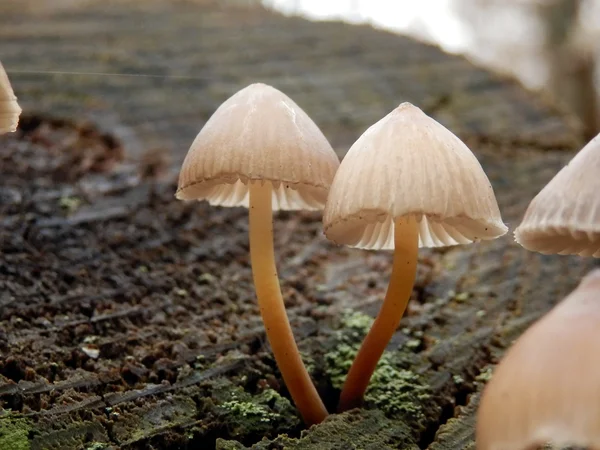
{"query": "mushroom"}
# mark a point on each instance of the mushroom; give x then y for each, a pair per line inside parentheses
(564, 218)
(407, 182)
(545, 389)
(260, 150)
(9, 108)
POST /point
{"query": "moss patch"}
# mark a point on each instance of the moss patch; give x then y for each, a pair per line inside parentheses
(97, 446)
(358, 429)
(395, 391)
(14, 433)
(245, 415)
(353, 328)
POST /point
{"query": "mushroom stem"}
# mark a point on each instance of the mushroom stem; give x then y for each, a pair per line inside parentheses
(272, 308)
(404, 269)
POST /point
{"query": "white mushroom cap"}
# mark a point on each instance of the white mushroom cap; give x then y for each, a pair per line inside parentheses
(564, 218)
(9, 108)
(407, 164)
(546, 389)
(259, 134)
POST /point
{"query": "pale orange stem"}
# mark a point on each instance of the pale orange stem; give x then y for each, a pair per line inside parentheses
(404, 269)
(272, 308)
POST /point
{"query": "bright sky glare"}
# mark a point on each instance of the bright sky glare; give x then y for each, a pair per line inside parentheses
(433, 20)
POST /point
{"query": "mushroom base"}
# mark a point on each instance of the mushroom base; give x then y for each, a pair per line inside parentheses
(406, 241)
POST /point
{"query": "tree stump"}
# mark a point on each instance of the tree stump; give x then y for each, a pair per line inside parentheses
(128, 319)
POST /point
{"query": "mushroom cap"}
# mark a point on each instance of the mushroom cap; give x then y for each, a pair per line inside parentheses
(259, 134)
(545, 389)
(409, 164)
(9, 108)
(564, 218)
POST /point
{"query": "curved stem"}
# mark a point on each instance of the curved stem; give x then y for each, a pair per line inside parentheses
(404, 269)
(272, 308)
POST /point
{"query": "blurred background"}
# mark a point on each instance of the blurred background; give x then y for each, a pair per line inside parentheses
(549, 45)
(175, 61)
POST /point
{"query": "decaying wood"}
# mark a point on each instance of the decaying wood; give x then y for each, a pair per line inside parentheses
(128, 319)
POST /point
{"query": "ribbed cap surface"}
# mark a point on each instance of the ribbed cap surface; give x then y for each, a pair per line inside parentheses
(409, 164)
(564, 218)
(259, 134)
(545, 389)
(9, 108)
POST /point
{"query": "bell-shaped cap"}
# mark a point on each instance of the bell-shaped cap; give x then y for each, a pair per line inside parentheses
(259, 134)
(564, 218)
(407, 164)
(546, 389)
(9, 108)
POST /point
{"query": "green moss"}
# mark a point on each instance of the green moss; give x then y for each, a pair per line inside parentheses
(207, 278)
(354, 326)
(97, 446)
(249, 409)
(458, 379)
(309, 362)
(338, 362)
(222, 444)
(395, 391)
(14, 433)
(413, 343)
(258, 408)
(461, 297)
(352, 430)
(245, 414)
(356, 320)
(485, 375)
(70, 203)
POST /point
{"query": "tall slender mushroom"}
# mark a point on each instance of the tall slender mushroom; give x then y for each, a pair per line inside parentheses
(564, 217)
(262, 151)
(545, 389)
(9, 108)
(407, 182)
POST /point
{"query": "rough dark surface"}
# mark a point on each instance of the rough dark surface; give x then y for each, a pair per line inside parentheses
(128, 319)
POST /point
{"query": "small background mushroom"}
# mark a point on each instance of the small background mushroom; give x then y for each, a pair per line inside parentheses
(564, 218)
(546, 389)
(262, 151)
(407, 182)
(9, 108)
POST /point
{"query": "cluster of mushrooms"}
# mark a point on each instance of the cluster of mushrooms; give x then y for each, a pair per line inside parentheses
(407, 182)
(262, 151)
